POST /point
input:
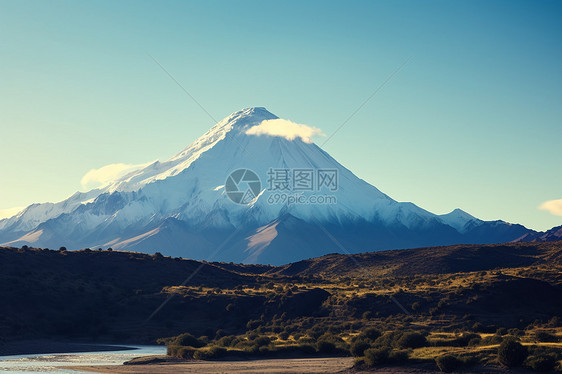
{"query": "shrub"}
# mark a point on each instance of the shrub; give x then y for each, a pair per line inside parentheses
(324, 346)
(186, 352)
(200, 355)
(478, 327)
(358, 348)
(370, 333)
(262, 341)
(412, 340)
(376, 356)
(307, 340)
(491, 340)
(544, 336)
(209, 354)
(447, 363)
(314, 332)
(398, 356)
(515, 332)
(171, 350)
(329, 337)
(511, 353)
(253, 324)
(466, 338)
(474, 341)
(387, 340)
(227, 341)
(469, 360)
(264, 350)
(253, 349)
(187, 340)
(180, 352)
(501, 331)
(359, 362)
(542, 363)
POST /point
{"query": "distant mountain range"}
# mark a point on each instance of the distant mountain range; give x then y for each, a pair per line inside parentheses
(247, 192)
(548, 236)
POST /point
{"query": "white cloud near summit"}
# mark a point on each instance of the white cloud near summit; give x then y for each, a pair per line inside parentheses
(285, 129)
(108, 173)
(553, 206)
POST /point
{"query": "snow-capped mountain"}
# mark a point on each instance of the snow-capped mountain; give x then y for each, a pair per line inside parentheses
(184, 206)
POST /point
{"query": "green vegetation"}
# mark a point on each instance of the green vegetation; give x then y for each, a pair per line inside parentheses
(511, 353)
(464, 309)
(376, 356)
(374, 349)
(543, 363)
(447, 363)
(358, 348)
(411, 340)
(187, 340)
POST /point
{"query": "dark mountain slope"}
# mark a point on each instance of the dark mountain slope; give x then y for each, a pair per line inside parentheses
(431, 260)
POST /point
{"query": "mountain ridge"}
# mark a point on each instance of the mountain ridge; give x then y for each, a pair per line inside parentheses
(181, 207)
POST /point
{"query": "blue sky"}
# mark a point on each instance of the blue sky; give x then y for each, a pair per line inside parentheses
(473, 120)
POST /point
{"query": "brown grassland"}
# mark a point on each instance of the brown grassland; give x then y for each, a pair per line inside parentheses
(468, 308)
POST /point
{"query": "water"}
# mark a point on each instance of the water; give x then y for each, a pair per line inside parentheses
(55, 362)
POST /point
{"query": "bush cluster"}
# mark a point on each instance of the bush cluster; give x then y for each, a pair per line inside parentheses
(388, 348)
(187, 340)
(542, 363)
(511, 353)
(447, 363)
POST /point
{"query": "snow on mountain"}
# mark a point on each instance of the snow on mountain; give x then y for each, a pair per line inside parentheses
(180, 206)
(34, 214)
(459, 219)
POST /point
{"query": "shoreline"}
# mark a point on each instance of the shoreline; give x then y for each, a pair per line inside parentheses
(44, 346)
(266, 365)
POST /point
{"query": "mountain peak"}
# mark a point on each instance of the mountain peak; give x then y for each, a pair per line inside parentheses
(182, 206)
(246, 117)
(254, 111)
(458, 219)
(240, 120)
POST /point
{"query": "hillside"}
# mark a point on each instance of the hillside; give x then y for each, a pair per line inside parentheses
(109, 295)
(432, 260)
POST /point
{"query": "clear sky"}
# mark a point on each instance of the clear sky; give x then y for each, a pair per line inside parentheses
(473, 120)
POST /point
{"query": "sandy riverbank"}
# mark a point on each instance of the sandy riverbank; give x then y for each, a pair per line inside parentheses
(342, 365)
(276, 365)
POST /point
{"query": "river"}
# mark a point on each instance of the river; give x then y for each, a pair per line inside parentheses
(55, 362)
